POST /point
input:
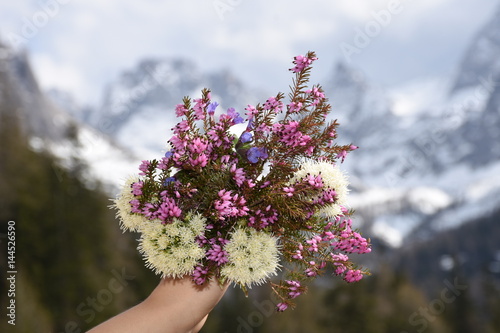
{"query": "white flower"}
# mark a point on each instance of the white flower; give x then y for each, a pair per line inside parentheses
(128, 220)
(171, 249)
(332, 177)
(253, 257)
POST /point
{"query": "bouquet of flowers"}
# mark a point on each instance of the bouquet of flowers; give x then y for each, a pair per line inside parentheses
(239, 207)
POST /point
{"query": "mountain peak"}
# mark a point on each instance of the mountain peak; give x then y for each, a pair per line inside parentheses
(482, 58)
(19, 90)
(345, 76)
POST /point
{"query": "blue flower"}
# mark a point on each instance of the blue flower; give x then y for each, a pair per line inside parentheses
(246, 137)
(211, 107)
(254, 154)
(237, 119)
(169, 154)
(168, 180)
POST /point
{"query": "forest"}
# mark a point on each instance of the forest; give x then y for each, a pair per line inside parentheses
(75, 268)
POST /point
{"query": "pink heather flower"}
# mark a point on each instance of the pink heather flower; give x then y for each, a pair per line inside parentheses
(272, 104)
(353, 275)
(314, 181)
(311, 271)
(144, 167)
(135, 206)
(137, 188)
(294, 107)
(225, 159)
(238, 175)
(294, 287)
(327, 236)
(148, 210)
(313, 242)
(342, 155)
(180, 110)
(298, 255)
(178, 143)
(251, 111)
(263, 128)
(341, 268)
(168, 209)
(327, 196)
(340, 260)
(218, 138)
(163, 164)
(310, 150)
(317, 95)
(301, 62)
(199, 109)
(229, 205)
(263, 218)
(201, 161)
(290, 135)
(197, 145)
(280, 307)
(182, 126)
(352, 242)
(339, 257)
(199, 275)
(265, 184)
(216, 252)
(289, 191)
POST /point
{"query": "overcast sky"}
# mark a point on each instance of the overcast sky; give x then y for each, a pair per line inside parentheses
(82, 45)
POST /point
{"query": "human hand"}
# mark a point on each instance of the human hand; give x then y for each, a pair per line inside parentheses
(174, 306)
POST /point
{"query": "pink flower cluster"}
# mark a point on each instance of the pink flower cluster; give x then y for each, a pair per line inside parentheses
(302, 62)
(230, 205)
(247, 180)
(333, 244)
(290, 134)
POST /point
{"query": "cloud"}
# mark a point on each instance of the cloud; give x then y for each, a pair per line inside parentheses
(87, 43)
(63, 76)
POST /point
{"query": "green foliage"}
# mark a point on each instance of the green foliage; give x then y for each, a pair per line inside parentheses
(382, 303)
(68, 244)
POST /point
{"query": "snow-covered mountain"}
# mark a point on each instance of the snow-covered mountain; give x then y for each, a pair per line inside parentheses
(481, 61)
(19, 88)
(138, 107)
(430, 149)
(52, 129)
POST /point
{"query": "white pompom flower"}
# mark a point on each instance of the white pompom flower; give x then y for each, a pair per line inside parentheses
(253, 257)
(171, 249)
(333, 178)
(128, 221)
